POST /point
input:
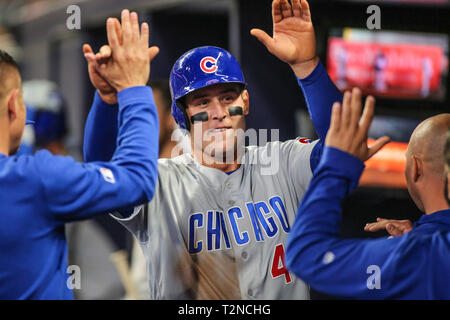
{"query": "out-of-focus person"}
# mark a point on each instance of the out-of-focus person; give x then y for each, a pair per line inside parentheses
(47, 109)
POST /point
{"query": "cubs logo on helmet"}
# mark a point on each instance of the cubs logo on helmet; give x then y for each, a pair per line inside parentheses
(208, 64)
(199, 68)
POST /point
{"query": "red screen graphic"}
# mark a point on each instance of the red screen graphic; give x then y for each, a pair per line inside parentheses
(411, 71)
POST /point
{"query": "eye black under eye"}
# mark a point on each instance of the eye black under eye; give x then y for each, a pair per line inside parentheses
(235, 111)
(199, 117)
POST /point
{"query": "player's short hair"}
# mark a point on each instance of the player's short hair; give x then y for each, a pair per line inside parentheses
(6, 62)
(447, 152)
(163, 87)
(6, 59)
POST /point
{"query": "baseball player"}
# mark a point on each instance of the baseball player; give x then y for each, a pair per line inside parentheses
(216, 229)
(412, 266)
(40, 193)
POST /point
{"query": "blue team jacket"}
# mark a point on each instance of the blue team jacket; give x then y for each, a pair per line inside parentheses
(413, 266)
(38, 194)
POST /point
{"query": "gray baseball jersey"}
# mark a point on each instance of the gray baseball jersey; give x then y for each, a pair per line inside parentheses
(207, 234)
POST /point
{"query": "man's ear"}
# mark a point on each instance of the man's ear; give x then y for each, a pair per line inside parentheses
(12, 104)
(246, 99)
(448, 188)
(417, 168)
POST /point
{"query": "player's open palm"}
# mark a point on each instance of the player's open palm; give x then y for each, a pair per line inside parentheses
(348, 129)
(293, 38)
(129, 64)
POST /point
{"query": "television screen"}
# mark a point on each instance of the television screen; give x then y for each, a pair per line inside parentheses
(389, 64)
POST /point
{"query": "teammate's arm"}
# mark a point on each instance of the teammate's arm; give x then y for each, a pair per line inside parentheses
(100, 131)
(130, 177)
(77, 191)
(349, 268)
(314, 251)
(353, 268)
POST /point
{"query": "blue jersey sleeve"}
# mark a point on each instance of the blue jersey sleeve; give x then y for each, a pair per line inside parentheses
(78, 190)
(320, 93)
(100, 131)
(355, 268)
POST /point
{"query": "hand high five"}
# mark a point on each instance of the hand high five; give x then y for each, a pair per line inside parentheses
(293, 38)
(105, 90)
(348, 129)
(125, 62)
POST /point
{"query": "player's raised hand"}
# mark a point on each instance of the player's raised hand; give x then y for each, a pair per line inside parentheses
(293, 38)
(393, 227)
(348, 129)
(129, 61)
(105, 52)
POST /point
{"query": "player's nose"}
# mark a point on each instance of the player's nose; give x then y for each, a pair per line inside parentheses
(217, 110)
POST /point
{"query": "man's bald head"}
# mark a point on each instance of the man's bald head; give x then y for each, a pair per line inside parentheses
(428, 140)
(424, 171)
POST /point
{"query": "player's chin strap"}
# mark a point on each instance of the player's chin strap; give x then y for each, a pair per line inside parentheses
(186, 118)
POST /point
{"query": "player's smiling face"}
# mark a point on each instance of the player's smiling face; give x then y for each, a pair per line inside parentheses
(216, 122)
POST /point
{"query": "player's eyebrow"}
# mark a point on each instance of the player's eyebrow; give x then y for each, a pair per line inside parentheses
(231, 89)
(199, 95)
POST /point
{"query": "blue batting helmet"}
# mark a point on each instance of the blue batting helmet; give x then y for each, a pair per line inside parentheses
(198, 68)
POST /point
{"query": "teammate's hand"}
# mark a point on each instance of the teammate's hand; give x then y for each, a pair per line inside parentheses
(348, 129)
(293, 38)
(105, 90)
(129, 61)
(393, 227)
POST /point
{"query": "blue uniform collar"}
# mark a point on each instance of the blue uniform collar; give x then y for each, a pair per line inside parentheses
(438, 217)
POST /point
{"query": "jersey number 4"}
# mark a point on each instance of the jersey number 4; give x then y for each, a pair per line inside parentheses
(278, 265)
